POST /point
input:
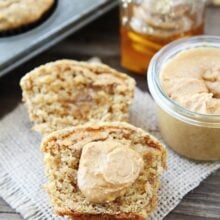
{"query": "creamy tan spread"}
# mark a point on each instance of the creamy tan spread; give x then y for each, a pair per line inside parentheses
(192, 79)
(164, 18)
(106, 169)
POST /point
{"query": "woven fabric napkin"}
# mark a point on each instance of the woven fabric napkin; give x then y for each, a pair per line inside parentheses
(22, 175)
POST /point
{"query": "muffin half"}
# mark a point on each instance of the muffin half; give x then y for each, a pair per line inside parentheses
(99, 171)
(68, 93)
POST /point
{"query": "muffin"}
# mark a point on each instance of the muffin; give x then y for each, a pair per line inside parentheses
(16, 14)
(105, 170)
(68, 93)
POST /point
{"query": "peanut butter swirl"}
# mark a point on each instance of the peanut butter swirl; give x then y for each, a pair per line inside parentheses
(106, 169)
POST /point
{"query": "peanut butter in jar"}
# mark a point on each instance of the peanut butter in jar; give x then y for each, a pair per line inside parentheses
(184, 80)
(148, 25)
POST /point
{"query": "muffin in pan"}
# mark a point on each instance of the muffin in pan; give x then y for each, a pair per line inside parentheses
(107, 170)
(16, 15)
(68, 93)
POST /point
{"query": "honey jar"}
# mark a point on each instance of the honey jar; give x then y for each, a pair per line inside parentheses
(148, 25)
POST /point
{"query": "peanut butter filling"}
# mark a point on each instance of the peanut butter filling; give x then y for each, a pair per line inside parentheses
(192, 79)
(106, 169)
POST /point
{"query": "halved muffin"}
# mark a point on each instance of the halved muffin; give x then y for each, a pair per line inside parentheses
(68, 93)
(99, 171)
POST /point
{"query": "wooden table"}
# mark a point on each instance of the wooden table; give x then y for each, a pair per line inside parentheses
(101, 39)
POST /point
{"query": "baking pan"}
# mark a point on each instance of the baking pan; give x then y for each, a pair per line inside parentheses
(67, 17)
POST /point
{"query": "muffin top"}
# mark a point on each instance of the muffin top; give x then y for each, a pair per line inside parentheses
(18, 13)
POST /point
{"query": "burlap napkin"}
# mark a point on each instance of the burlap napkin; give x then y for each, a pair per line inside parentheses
(21, 167)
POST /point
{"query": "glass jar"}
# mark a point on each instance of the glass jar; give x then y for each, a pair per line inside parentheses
(148, 25)
(191, 134)
(215, 2)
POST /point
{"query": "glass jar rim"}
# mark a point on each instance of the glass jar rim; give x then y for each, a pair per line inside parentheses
(161, 98)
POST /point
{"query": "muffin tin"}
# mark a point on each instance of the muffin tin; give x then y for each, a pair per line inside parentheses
(68, 16)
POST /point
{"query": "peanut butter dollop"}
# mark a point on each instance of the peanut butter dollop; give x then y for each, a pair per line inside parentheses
(106, 169)
(192, 79)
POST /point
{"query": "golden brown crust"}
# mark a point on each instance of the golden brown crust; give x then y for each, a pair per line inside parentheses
(87, 216)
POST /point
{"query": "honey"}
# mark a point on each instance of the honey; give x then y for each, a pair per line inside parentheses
(148, 26)
(138, 49)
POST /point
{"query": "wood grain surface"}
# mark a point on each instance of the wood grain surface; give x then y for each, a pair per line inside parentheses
(101, 38)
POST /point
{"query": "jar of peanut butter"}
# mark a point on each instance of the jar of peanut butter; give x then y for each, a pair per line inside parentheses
(184, 80)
